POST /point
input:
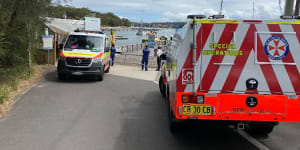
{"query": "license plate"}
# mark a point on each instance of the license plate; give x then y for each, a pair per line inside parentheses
(77, 73)
(196, 110)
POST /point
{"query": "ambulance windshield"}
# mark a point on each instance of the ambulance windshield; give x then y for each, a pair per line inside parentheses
(84, 42)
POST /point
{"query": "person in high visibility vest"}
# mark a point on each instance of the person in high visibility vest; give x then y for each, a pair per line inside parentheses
(112, 54)
(146, 52)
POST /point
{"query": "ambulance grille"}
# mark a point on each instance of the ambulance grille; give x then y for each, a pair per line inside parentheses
(78, 61)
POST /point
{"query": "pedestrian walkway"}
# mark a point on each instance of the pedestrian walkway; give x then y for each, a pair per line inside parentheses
(135, 72)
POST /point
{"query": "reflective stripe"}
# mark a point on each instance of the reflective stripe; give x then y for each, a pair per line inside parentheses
(286, 22)
(99, 55)
(79, 54)
(216, 21)
(106, 54)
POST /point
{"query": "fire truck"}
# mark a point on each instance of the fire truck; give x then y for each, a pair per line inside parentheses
(244, 72)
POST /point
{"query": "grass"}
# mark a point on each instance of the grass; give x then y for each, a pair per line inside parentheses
(9, 80)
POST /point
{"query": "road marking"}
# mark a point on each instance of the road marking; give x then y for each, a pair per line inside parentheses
(252, 140)
(156, 82)
(41, 86)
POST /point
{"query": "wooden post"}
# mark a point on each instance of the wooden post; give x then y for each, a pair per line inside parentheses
(54, 48)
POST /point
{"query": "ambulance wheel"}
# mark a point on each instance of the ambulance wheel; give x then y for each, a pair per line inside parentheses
(162, 87)
(61, 77)
(260, 129)
(174, 125)
(101, 76)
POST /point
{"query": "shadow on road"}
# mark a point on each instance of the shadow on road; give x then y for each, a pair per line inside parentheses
(145, 127)
(52, 77)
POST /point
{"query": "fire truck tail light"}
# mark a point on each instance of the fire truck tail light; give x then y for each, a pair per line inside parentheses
(193, 99)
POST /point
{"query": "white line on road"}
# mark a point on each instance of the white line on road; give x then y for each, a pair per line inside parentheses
(252, 140)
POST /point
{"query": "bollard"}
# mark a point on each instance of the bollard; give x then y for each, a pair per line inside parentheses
(132, 47)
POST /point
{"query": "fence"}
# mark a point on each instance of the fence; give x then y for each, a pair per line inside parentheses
(132, 54)
(139, 47)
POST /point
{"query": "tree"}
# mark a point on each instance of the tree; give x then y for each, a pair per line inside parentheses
(21, 26)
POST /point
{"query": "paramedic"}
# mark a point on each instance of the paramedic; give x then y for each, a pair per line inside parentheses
(145, 58)
(112, 54)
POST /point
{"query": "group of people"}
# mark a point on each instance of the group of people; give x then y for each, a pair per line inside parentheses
(158, 53)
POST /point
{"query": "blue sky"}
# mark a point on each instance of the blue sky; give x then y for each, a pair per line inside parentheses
(177, 10)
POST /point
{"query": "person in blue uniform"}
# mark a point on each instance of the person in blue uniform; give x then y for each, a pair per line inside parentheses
(146, 52)
(112, 54)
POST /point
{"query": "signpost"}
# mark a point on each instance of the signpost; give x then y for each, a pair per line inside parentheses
(48, 43)
(92, 24)
(151, 42)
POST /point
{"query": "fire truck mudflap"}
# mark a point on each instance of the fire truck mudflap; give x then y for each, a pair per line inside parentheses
(246, 71)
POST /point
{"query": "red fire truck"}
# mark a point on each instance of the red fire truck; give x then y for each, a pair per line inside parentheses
(241, 71)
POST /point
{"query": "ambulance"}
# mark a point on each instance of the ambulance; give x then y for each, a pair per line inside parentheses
(85, 53)
(242, 72)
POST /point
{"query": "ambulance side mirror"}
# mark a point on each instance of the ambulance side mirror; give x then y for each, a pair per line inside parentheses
(61, 46)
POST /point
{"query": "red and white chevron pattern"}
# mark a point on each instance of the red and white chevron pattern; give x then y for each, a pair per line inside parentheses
(274, 76)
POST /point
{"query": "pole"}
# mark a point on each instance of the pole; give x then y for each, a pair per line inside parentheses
(289, 8)
(48, 56)
(221, 7)
(253, 9)
(194, 56)
(54, 49)
(297, 8)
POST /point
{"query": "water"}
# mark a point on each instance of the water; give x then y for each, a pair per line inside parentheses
(134, 39)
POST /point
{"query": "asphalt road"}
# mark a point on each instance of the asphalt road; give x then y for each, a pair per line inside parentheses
(116, 114)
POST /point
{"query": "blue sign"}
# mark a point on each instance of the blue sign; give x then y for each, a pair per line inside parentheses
(276, 48)
(151, 43)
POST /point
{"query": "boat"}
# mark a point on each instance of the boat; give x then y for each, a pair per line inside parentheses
(140, 32)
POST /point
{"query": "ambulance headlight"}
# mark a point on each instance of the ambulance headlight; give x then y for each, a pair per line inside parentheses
(97, 60)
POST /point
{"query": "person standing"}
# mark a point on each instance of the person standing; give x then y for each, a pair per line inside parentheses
(145, 59)
(112, 54)
(159, 52)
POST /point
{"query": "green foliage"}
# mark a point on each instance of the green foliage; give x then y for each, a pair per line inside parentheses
(107, 19)
(21, 29)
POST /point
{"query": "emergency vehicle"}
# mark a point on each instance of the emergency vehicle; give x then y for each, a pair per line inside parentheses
(85, 53)
(244, 72)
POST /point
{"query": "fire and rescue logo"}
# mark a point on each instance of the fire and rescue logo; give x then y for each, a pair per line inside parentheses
(276, 47)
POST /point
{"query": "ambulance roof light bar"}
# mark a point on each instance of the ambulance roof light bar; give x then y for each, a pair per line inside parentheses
(78, 30)
(289, 17)
(196, 16)
(216, 17)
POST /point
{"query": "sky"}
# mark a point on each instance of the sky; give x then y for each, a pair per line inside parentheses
(177, 10)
